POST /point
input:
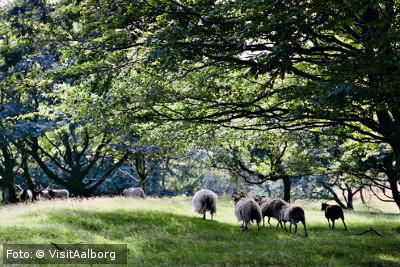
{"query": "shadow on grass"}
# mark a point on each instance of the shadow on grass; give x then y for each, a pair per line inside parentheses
(166, 239)
(160, 238)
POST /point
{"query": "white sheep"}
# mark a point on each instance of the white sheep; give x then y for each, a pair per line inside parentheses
(44, 194)
(205, 200)
(135, 192)
(247, 210)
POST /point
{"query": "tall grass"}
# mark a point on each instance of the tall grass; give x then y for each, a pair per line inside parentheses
(166, 232)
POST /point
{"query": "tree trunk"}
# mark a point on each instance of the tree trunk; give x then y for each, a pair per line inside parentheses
(8, 192)
(286, 188)
(362, 196)
(8, 181)
(394, 186)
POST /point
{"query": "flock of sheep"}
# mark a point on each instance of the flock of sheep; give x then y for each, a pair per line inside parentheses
(254, 210)
(247, 210)
(26, 195)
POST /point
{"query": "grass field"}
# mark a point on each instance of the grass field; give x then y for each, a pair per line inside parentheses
(166, 232)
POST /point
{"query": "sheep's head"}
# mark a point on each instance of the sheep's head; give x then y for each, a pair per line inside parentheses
(324, 206)
(259, 199)
(51, 193)
(236, 199)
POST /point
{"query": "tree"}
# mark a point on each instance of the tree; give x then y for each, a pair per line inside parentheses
(73, 159)
(314, 63)
(20, 57)
(322, 63)
(145, 159)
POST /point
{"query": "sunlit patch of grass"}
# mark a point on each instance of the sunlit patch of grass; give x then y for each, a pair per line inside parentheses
(167, 232)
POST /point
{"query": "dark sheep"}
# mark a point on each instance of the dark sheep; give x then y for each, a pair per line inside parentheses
(25, 195)
(58, 193)
(272, 208)
(333, 212)
(205, 200)
(293, 214)
(247, 210)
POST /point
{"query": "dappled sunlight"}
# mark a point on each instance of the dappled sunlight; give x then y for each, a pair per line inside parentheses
(389, 259)
(166, 232)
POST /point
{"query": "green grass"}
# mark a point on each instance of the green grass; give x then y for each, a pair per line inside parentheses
(166, 232)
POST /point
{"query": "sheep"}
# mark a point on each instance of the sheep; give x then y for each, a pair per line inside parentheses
(58, 193)
(205, 200)
(135, 192)
(247, 210)
(293, 214)
(333, 212)
(44, 194)
(261, 200)
(25, 195)
(272, 208)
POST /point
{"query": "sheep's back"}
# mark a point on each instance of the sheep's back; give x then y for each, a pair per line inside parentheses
(275, 207)
(294, 214)
(248, 209)
(239, 211)
(204, 200)
(334, 212)
(133, 192)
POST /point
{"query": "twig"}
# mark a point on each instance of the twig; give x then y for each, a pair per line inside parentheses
(371, 229)
(60, 248)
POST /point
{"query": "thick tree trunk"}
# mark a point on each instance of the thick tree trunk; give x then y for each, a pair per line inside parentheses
(8, 180)
(8, 193)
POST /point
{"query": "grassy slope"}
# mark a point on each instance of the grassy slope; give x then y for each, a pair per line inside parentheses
(166, 232)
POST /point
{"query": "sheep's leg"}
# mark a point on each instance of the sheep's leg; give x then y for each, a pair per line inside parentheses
(204, 215)
(284, 224)
(345, 228)
(333, 224)
(263, 221)
(329, 224)
(295, 228)
(269, 218)
(246, 223)
(305, 228)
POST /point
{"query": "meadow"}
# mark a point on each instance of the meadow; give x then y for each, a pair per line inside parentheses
(166, 232)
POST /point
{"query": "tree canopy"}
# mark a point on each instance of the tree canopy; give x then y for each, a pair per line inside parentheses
(331, 67)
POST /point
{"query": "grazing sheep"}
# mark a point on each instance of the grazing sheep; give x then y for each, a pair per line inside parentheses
(247, 210)
(135, 192)
(25, 195)
(205, 200)
(272, 208)
(333, 212)
(58, 193)
(44, 194)
(293, 214)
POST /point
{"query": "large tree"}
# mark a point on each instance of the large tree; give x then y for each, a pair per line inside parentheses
(248, 64)
(320, 63)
